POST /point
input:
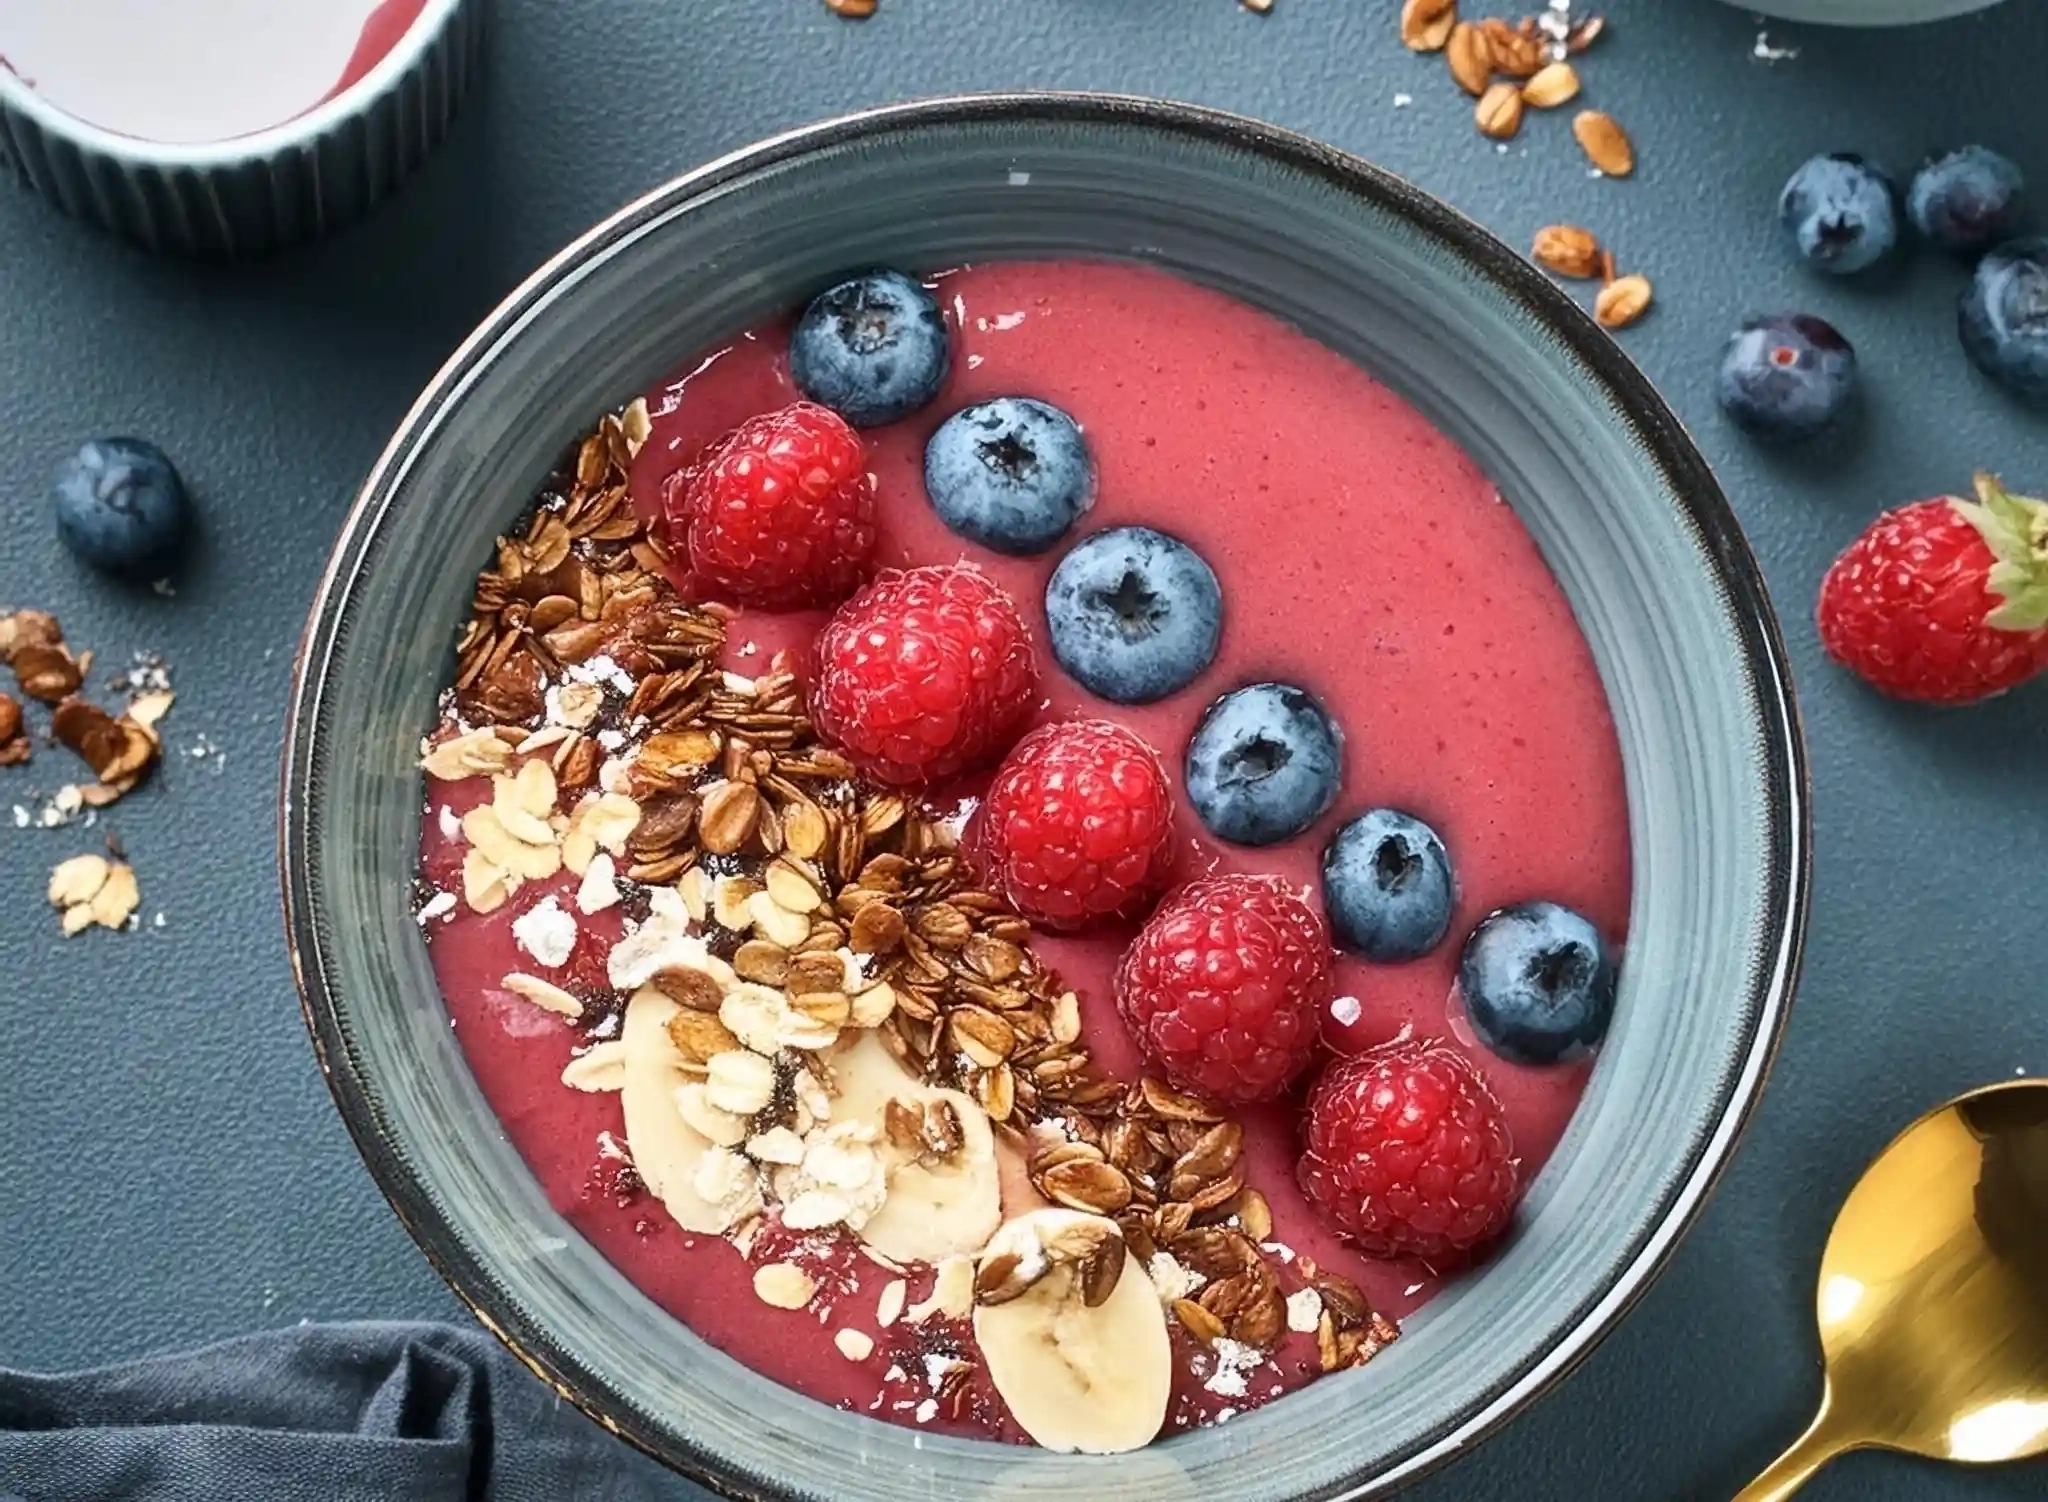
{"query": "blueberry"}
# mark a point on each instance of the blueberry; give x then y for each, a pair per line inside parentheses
(1263, 764)
(873, 348)
(1387, 886)
(1538, 983)
(1786, 376)
(2003, 317)
(1967, 200)
(1133, 615)
(1841, 212)
(121, 506)
(1012, 474)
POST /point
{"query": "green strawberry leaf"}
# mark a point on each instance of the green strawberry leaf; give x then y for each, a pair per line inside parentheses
(2015, 529)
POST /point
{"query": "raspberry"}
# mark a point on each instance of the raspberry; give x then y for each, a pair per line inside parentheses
(924, 674)
(779, 513)
(1078, 825)
(1409, 1155)
(1224, 985)
(1945, 602)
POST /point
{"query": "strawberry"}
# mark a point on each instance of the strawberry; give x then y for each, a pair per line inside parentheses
(1946, 601)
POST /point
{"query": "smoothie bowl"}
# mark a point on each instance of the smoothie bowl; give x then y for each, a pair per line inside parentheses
(1044, 794)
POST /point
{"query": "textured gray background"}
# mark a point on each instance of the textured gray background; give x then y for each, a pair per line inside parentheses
(170, 1168)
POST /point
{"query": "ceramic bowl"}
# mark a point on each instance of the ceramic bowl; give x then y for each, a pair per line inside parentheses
(1864, 12)
(1609, 485)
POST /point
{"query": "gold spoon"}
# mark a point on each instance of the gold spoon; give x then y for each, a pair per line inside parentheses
(1934, 1295)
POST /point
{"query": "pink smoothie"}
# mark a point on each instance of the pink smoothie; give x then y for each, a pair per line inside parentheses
(1362, 556)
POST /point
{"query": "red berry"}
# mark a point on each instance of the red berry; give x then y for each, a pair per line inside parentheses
(924, 674)
(1945, 602)
(1224, 985)
(1078, 824)
(779, 513)
(1408, 1154)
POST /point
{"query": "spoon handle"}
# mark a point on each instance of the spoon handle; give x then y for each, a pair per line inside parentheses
(1824, 1439)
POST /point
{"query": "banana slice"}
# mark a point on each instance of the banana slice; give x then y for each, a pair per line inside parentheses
(669, 1154)
(935, 1210)
(1094, 1380)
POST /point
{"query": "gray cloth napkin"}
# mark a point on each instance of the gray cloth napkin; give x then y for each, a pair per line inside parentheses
(319, 1413)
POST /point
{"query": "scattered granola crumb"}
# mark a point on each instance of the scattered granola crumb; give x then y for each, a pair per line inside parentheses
(1170, 1278)
(854, 1345)
(165, 588)
(1765, 52)
(546, 932)
(1402, 101)
(927, 1410)
(1233, 1360)
(440, 905)
(1345, 1010)
(1304, 1310)
(90, 889)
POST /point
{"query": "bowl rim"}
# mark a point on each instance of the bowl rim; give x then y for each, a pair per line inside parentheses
(1640, 408)
(256, 145)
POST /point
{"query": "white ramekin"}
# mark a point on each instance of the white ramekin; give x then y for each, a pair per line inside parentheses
(258, 192)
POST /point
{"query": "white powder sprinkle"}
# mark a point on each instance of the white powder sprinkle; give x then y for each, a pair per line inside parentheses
(1765, 52)
(1233, 1360)
(1304, 1310)
(546, 932)
(1170, 1278)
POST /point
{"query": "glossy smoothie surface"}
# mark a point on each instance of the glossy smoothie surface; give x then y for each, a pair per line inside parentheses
(1362, 556)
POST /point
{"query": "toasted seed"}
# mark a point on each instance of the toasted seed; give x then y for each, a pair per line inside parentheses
(1514, 54)
(983, 1036)
(996, 1090)
(1605, 143)
(1552, 85)
(1567, 250)
(1100, 1272)
(1622, 301)
(1254, 1214)
(1426, 24)
(1470, 57)
(1084, 1185)
(762, 962)
(1163, 1100)
(804, 829)
(1499, 111)
(729, 817)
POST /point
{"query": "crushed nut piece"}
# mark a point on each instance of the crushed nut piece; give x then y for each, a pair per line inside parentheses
(854, 1345)
(91, 889)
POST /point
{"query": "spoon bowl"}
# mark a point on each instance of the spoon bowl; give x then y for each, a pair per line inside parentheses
(1933, 1299)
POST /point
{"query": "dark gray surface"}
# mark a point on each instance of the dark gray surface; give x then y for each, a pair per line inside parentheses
(170, 1168)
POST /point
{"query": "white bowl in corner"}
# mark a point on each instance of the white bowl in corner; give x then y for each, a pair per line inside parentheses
(1864, 12)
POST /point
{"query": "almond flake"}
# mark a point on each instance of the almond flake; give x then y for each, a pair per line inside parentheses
(889, 1307)
(729, 896)
(814, 1209)
(543, 994)
(952, 1294)
(754, 1015)
(777, 1145)
(783, 1285)
(790, 888)
(871, 1008)
(690, 887)
(854, 1345)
